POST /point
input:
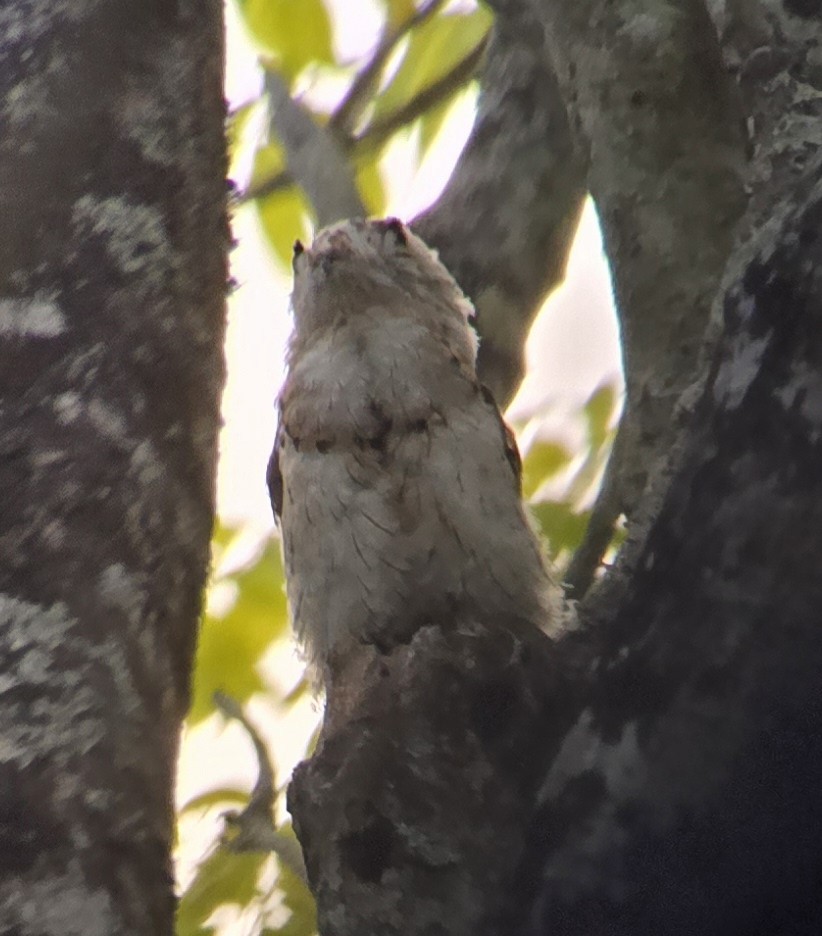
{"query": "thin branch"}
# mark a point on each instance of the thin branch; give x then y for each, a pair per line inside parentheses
(275, 183)
(340, 127)
(349, 110)
(377, 133)
(437, 92)
(599, 533)
(314, 156)
(253, 829)
(518, 188)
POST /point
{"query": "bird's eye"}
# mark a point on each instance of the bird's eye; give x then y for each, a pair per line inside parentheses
(395, 227)
(299, 250)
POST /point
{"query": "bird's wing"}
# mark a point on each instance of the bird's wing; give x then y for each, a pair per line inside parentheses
(509, 440)
(274, 476)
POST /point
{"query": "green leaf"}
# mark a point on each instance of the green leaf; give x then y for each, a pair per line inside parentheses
(399, 11)
(370, 184)
(284, 216)
(218, 797)
(433, 49)
(231, 646)
(544, 459)
(599, 411)
(221, 537)
(226, 660)
(295, 32)
(223, 878)
(269, 162)
(262, 588)
(431, 123)
(560, 525)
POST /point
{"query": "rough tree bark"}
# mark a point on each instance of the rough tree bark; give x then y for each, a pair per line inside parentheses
(683, 797)
(518, 188)
(112, 284)
(655, 769)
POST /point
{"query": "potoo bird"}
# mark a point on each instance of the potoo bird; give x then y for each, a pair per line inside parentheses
(394, 477)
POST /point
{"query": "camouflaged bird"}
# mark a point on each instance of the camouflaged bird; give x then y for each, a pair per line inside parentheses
(394, 478)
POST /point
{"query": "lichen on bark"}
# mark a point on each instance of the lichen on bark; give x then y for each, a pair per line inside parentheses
(112, 265)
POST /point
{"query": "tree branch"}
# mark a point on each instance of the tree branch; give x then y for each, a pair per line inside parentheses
(654, 770)
(662, 124)
(416, 804)
(347, 114)
(113, 265)
(254, 829)
(688, 766)
(315, 159)
(440, 90)
(518, 190)
(375, 135)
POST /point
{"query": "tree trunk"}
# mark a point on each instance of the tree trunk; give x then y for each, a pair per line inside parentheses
(683, 797)
(654, 769)
(113, 271)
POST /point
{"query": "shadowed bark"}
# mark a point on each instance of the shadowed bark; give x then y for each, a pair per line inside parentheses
(668, 749)
(506, 220)
(662, 758)
(681, 800)
(668, 199)
(420, 828)
(112, 265)
(654, 770)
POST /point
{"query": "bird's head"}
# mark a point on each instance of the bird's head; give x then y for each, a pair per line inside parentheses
(361, 264)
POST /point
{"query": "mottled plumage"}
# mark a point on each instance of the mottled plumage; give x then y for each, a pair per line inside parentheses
(393, 474)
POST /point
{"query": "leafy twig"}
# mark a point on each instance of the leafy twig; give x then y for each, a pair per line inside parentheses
(253, 829)
(441, 89)
(314, 157)
(377, 133)
(349, 110)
